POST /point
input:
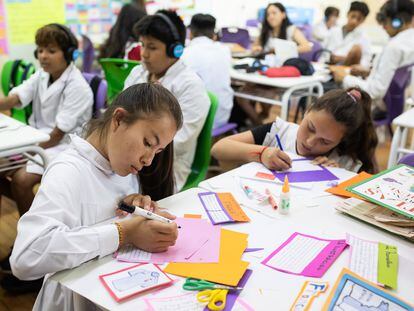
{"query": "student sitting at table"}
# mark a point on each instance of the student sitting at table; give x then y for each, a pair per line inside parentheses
(348, 44)
(121, 42)
(276, 25)
(321, 30)
(126, 151)
(162, 36)
(337, 130)
(396, 18)
(211, 61)
(62, 102)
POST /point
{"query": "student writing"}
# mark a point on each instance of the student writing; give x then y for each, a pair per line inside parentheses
(82, 186)
(337, 130)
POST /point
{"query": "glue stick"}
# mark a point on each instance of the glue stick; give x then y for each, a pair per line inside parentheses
(284, 205)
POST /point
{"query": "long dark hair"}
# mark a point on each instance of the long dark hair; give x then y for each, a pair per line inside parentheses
(352, 107)
(145, 101)
(266, 28)
(121, 32)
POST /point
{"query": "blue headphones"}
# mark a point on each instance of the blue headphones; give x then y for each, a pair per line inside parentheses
(72, 52)
(176, 48)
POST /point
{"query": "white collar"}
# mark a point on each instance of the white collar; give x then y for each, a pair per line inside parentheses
(200, 40)
(63, 77)
(89, 152)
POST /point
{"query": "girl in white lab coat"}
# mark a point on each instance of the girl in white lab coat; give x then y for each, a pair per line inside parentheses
(81, 188)
(61, 102)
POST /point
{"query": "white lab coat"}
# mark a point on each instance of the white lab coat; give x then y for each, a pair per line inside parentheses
(65, 104)
(320, 31)
(192, 96)
(78, 190)
(212, 62)
(398, 52)
(340, 45)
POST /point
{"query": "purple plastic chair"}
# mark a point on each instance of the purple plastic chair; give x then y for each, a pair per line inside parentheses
(228, 127)
(88, 54)
(235, 35)
(394, 98)
(407, 160)
(99, 88)
(312, 55)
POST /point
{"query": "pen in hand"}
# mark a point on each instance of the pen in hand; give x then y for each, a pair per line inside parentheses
(144, 213)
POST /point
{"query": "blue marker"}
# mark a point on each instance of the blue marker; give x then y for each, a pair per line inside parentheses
(278, 142)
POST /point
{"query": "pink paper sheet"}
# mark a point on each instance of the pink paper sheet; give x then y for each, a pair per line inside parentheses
(316, 266)
(198, 241)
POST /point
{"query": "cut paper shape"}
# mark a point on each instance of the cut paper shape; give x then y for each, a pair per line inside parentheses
(252, 249)
(311, 173)
(222, 208)
(374, 261)
(352, 292)
(198, 241)
(309, 291)
(230, 268)
(340, 189)
(134, 280)
(265, 175)
(392, 188)
(192, 216)
(232, 295)
(306, 255)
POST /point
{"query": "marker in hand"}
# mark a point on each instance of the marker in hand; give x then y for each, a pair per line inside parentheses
(132, 209)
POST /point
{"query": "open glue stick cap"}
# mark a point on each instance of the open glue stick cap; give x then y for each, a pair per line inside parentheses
(285, 188)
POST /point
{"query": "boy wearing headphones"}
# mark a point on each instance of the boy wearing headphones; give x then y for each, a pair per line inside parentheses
(211, 61)
(61, 103)
(321, 30)
(396, 18)
(162, 36)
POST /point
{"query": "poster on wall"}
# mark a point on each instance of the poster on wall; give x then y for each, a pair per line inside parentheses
(4, 48)
(24, 17)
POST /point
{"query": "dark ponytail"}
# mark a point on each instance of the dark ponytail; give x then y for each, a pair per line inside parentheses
(267, 29)
(352, 108)
(145, 101)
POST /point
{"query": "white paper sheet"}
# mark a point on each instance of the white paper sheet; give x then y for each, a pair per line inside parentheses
(363, 258)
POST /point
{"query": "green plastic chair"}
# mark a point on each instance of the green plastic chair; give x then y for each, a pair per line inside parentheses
(13, 73)
(202, 154)
(116, 71)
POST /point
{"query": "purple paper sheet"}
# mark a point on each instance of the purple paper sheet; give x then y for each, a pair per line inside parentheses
(222, 209)
(253, 249)
(232, 295)
(306, 176)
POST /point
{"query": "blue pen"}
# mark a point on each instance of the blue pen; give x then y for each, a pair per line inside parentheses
(278, 142)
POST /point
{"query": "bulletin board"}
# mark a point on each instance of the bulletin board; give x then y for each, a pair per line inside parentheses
(4, 48)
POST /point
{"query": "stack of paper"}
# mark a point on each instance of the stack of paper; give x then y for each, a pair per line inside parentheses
(376, 215)
(230, 268)
(198, 241)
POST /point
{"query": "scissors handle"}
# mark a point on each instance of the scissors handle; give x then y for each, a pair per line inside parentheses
(195, 284)
(216, 298)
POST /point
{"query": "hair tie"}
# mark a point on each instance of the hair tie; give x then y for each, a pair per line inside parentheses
(355, 95)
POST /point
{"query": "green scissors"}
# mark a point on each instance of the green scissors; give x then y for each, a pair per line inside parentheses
(196, 284)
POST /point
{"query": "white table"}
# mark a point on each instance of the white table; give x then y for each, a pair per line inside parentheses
(403, 123)
(267, 289)
(304, 84)
(18, 138)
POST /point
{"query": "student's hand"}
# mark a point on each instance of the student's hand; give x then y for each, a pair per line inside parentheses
(359, 70)
(339, 74)
(149, 235)
(256, 49)
(276, 159)
(140, 200)
(324, 161)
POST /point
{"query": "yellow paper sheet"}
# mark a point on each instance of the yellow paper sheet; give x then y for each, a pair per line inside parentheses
(228, 270)
(25, 17)
(340, 189)
(232, 207)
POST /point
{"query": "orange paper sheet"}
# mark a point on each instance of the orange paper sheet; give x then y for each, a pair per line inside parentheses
(232, 207)
(196, 216)
(340, 189)
(228, 270)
